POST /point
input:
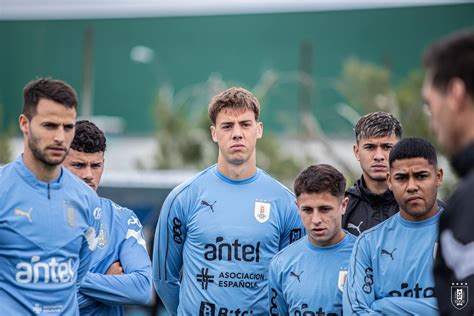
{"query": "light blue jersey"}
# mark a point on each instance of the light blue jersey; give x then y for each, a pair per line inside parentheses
(305, 279)
(47, 235)
(120, 239)
(223, 233)
(392, 262)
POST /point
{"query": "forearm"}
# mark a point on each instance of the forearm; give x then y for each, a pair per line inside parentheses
(131, 288)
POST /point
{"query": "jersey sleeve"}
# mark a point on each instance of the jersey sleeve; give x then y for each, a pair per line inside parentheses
(406, 306)
(277, 305)
(134, 286)
(168, 250)
(293, 228)
(90, 238)
(359, 292)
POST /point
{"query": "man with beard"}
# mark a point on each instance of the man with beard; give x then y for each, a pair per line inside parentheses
(370, 200)
(390, 271)
(49, 217)
(121, 269)
(448, 91)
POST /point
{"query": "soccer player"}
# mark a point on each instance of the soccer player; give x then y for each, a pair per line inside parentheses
(223, 226)
(47, 227)
(307, 277)
(370, 200)
(449, 93)
(121, 268)
(390, 267)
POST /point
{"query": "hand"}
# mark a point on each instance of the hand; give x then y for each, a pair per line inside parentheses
(115, 269)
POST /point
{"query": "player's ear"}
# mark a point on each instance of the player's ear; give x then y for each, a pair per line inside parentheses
(355, 150)
(344, 203)
(259, 130)
(439, 176)
(24, 123)
(213, 133)
(457, 90)
(389, 181)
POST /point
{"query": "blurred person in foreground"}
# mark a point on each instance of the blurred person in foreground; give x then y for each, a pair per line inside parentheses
(308, 277)
(121, 268)
(390, 271)
(448, 91)
(370, 200)
(217, 232)
(47, 229)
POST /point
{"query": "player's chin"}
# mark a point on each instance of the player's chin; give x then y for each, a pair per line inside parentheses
(56, 160)
(378, 176)
(417, 212)
(237, 159)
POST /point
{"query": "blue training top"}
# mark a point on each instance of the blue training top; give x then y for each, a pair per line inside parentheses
(305, 279)
(391, 269)
(47, 235)
(223, 233)
(120, 239)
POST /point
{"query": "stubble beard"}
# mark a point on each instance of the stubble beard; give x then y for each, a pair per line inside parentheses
(40, 155)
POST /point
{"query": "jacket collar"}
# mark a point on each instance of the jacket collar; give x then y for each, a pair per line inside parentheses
(373, 198)
(31, 178)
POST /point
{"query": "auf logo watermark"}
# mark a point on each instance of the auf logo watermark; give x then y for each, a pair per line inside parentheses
(459, 295)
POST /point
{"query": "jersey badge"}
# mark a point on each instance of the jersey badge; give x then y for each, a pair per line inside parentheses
(262, 211)
(70, 214)
(459, 295)
(341, 281)
(103, 236)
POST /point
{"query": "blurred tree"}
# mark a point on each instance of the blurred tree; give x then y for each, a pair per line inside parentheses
(5, 150)
(183, 133)
(368, 88)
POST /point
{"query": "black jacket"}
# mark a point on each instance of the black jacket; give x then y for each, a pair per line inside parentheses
(367, 209)
(454, 266)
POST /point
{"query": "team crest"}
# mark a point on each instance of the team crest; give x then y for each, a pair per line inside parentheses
(70, 214)
(262, 211)
(459, 295)
(103, 237)
(341, 280)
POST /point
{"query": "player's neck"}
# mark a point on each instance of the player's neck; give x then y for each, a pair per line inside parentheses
(42, 171)
(376, 187)
(237, 172)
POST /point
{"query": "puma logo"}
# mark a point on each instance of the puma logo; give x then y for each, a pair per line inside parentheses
(297, 276)
(211, 206)
(355, 227)
(26, 214)
(385, 252)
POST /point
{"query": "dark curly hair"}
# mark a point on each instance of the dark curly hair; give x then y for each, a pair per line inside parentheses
(319, 179)
(88, 138)
(413, 147)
